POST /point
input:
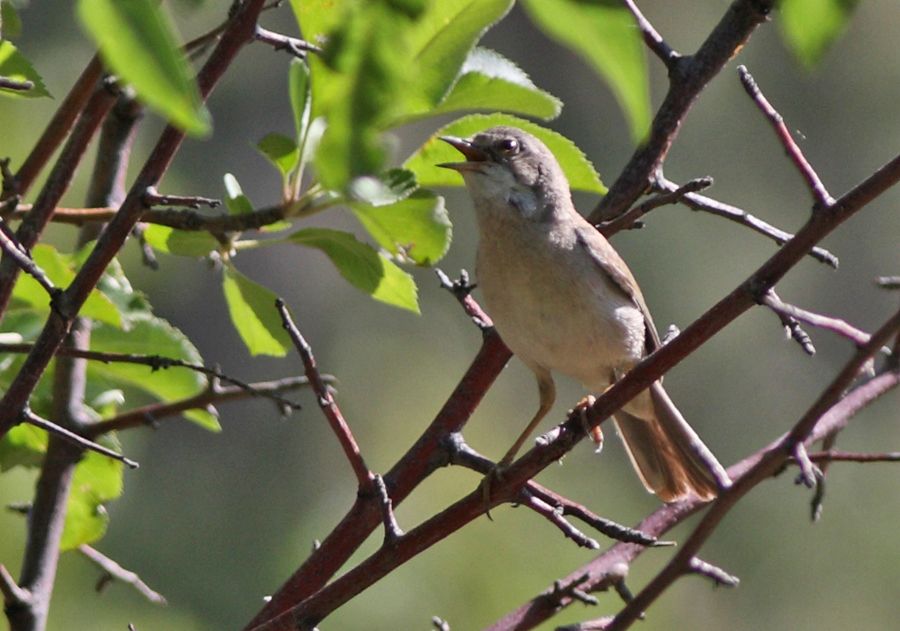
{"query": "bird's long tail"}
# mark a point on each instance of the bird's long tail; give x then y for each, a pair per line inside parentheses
(667, 454)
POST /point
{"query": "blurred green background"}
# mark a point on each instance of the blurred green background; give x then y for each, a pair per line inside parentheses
(215, 522)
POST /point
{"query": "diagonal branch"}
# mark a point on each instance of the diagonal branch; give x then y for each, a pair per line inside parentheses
(114, 571)
(76, 439)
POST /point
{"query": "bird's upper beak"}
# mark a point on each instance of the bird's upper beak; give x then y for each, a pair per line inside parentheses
(473, 154)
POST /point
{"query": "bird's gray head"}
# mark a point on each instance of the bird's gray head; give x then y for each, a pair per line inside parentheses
(506, 167)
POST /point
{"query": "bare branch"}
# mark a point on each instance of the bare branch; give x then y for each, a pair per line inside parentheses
(821, 196)
(462, 290)
(13, 595)
(652, 38)
(555, 517)
(392, 530)
(296, 47)
(630, 218)
(69, 436)
(12, 84)
(716, 574)
(326, 400)
(114, 571)
(702, 203)
(13, 249)
(153, 198)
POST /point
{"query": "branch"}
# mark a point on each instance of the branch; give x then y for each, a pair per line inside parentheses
(296, 47)
(688, 76)
(14, 250)
(114, 571)
(702, 203)
(821, 196)
(652, 38)
(326, 400)
(13, 595)
(12, 84)
(462, 291)
(155, 412)
(71, 437)
(717, 575)
(240, 31)
(630, 218)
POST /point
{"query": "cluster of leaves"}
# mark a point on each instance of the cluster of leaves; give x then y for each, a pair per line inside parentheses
(384, 64)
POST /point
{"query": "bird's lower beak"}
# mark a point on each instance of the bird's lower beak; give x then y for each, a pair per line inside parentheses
(473, 154)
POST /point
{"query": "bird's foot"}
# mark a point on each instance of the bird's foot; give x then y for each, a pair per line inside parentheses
(581, 409)
(494, 475)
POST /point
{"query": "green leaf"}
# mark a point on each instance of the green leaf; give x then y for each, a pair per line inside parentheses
(359, 83)
(442, 38)
(60, 269)
(578, 169)
(417, 227)
(392, 186)
(235, 200)
(149, 335)
(23, 446)
(810, 27)
(317, 18)
(137, 42)
(10, 20)
(97, 479)
(606, 36)
(14, 66)
(489, 81)
(362, 266)
(252, 310)
(281, 151)
(192, 243)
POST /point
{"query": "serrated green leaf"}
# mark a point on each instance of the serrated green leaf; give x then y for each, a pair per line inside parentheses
(192, 243)
(137, 41)
(281, 151)
(810, 27)
(362, 266)
(578, 169)
(97, 479)
(252, 310)
(149, 335)
(442, 38)
(14, 66)
(235, 200)
(60, 269)
(489, 81)
(606, 36)
(417, 227)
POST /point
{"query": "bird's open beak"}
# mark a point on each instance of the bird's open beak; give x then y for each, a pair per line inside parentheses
(473, 154)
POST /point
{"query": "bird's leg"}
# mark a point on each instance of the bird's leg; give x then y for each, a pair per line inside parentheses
(596, 434)
(547, 392)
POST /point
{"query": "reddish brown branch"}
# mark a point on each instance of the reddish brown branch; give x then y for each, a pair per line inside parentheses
(820, 194)
(652, 38)
(326, 400)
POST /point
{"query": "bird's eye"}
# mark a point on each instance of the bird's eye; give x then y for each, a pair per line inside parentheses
(507, 146)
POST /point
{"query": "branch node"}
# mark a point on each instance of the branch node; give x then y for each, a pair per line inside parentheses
(13, 594)
(461, 290)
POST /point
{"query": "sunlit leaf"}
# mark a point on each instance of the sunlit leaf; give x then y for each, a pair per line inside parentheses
(578, 169)
(391, 186)
(605, 35)
(194, 243)
(97, 480)
(14, 66)
(149, 335)
(252, 310)
(235, 200)
(137, 41)
(281, 151)
(299, 93)
(417, 227)
(362, 266)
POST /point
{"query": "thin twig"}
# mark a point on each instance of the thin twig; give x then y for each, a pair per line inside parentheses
(326, 400)
(114, 571)
(555, 517)
(652, 38)
(698, 202)
(12, 248)
(821, 197)
(888, 282)
(13, 84)
(834, 455)
(154, 198)
(462, 289)
(713, 572)
(789, 322)
(153, 413)
(630, 218)
(12, 594)
(69, 436)
(392, 530)
(155, 362)
(296, 47)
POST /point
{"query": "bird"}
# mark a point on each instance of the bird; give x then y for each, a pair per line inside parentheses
(564, 301)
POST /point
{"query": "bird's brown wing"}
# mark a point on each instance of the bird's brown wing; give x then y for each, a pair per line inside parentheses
(609, 261)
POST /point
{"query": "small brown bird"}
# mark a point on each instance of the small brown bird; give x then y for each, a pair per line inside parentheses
(563, 300)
